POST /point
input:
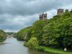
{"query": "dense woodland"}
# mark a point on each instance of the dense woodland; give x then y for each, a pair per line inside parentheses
(55, 32)
(2, 36)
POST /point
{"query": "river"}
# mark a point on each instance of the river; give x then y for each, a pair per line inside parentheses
(14, 46)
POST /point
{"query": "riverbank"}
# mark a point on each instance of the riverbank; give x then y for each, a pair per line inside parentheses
(52, 50)
(1, 43)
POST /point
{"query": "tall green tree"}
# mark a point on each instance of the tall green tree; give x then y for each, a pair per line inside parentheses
(2, 36)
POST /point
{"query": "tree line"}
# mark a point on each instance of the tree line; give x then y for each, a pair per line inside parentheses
(2, 36)
(55, 32)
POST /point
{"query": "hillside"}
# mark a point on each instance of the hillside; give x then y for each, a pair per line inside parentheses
(55, 32)
(2, 36)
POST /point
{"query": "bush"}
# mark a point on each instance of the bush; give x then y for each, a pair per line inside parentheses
(2, 35)
(32, 43)
(40, 48)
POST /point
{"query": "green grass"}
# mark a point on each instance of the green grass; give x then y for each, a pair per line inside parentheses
(52, 50)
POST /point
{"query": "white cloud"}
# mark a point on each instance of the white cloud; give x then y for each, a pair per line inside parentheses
(15, 23)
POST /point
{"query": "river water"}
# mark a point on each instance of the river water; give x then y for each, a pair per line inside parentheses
(14, 46)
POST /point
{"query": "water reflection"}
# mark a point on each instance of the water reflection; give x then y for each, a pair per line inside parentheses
(16, 47)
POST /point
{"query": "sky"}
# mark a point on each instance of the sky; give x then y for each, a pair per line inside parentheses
(18, 14)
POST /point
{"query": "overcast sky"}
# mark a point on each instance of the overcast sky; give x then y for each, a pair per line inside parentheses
(18, 14)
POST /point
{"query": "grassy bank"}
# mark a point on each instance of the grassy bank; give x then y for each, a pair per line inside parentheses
(52, 50)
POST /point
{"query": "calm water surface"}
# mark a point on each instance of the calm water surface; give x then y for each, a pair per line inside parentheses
(13, 46)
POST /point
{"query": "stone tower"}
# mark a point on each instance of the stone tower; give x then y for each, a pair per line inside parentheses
(60, 11)
(43, 17)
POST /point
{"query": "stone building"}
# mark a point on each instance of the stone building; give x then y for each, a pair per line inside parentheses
(43, 17)
(60, 11)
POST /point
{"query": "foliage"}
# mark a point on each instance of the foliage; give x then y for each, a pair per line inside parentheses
(2, 36)
(22, 34)
(37, 30)
(32, 43)
(58, 32)
(55, 32)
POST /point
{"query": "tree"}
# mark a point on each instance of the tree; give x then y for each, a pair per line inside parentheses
(2, 36)
(32, 43)
(23, 34)
(37, 30)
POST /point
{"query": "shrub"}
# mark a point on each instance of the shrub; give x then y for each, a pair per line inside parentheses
(32, 43)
